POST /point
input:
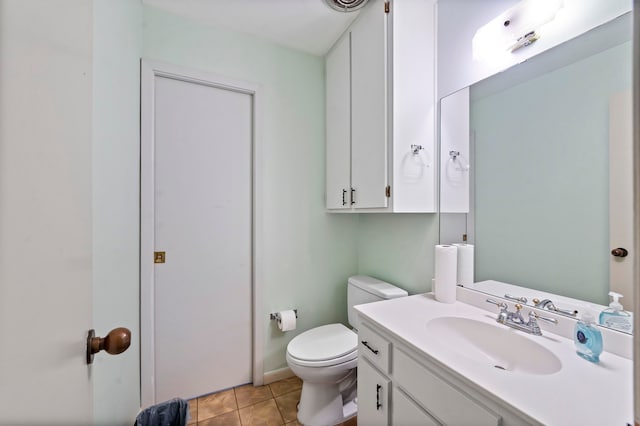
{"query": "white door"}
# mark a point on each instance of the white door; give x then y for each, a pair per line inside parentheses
(45, 212)
(338, 118)
(621, 195)
(369, 107)
(202, 212)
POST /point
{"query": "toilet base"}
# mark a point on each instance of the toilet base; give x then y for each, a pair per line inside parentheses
(350, 409)
(322, 404)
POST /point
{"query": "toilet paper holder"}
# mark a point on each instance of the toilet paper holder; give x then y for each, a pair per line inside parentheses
(276, 316)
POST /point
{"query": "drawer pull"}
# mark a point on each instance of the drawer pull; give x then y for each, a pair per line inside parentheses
(378, 405)
(375, 351)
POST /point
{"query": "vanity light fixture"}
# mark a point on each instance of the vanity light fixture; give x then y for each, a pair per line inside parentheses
(517, 27)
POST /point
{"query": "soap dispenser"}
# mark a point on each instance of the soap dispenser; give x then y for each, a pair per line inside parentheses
(615, 317)
(587, 337)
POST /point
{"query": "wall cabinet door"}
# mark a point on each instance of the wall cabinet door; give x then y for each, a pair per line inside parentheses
(369, 107)
(373, 395)
(384, 114)
(338, 116)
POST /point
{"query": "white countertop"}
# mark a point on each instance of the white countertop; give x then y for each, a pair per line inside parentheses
(581, 393)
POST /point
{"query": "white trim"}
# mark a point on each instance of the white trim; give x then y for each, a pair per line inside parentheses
(277, 375)
(149, 70)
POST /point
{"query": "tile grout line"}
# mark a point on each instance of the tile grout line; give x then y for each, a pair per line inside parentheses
(235, 396)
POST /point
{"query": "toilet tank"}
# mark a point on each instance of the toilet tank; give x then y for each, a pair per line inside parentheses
(363, 289)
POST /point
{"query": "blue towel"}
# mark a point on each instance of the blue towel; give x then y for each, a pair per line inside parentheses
(169, 413)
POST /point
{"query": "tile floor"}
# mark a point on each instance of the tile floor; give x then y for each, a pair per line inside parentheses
(273, 404)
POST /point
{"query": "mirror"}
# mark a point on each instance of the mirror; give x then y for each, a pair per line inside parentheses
(550, 172)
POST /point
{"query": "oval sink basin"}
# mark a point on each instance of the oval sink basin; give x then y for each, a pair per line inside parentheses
(499, 346)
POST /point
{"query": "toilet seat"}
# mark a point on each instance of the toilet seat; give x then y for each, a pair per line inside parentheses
(322, 346)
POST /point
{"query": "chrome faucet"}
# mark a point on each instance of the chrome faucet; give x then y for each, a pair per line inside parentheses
(515, 319)
(548, 305)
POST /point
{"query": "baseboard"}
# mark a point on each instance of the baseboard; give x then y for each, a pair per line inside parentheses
(276, 375)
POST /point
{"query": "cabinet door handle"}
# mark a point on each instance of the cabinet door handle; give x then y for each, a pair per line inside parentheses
(378, 405)
(366, 344)
(353, 196)
(344, 197)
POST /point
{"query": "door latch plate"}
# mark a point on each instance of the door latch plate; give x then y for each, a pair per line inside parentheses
(158, 257)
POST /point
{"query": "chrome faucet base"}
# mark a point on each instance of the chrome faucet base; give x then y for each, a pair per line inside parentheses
(516, 321)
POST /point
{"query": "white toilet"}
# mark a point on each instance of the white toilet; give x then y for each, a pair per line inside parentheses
(325, 358)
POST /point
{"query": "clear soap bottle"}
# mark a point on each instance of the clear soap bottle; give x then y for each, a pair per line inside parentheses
(588, 338)
(615, 317)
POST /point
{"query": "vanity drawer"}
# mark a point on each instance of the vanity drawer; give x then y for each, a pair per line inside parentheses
(446, 403)
(374, 347)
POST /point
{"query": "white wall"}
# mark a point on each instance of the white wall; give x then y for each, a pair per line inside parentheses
(117, 47)
(458, 20)
(45, 211)
(307, 253)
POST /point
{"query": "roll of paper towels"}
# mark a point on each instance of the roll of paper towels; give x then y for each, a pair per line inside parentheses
(287, 320)
(465, 264)
(446, 270)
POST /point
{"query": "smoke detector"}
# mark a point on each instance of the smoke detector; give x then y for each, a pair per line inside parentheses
(346, 5)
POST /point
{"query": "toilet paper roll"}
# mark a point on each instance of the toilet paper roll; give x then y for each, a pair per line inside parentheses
(465, 264)
(446, 271)
(287, 320)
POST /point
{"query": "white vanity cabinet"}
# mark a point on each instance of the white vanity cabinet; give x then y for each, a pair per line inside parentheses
(380, 111)
(374, 386)
(399, 386)
(374, 390)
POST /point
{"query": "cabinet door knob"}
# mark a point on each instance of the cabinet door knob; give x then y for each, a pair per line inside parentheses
(378, 405)
(619, 252)
(344, 197)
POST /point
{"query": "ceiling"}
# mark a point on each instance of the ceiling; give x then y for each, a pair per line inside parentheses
(307, 25)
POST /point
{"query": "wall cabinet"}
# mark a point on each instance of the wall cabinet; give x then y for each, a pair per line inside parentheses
(397, 385)
(380, 111)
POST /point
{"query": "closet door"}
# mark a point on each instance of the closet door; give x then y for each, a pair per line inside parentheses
(202, 223)
(621, 194)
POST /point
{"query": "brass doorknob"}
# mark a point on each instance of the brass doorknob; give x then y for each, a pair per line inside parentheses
(116, 342)
(619, 252)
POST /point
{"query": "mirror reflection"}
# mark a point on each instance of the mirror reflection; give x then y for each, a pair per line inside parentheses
(551, 173)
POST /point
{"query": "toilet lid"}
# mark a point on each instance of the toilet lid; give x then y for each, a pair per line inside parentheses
(323, 343)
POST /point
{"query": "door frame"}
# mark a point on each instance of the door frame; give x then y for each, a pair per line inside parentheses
(149, 70)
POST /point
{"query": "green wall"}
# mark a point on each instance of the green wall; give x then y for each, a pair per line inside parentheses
(542, 178)
(307, 253)
(398, 248)
(117, 46)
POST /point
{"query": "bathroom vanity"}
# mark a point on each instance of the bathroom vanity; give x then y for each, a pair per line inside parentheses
(430, 363)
